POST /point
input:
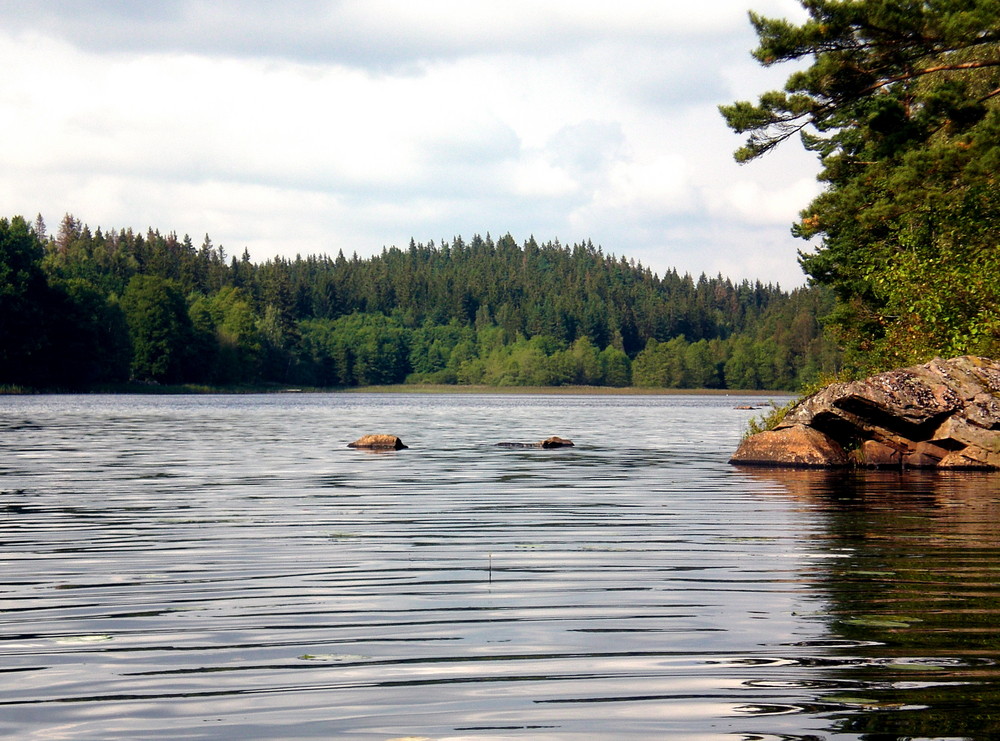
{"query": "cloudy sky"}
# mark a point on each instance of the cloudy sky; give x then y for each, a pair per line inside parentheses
(308, 126)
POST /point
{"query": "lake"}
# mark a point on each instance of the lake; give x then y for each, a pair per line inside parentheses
(225, 567)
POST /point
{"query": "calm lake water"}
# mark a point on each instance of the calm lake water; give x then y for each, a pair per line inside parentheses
(225, 567)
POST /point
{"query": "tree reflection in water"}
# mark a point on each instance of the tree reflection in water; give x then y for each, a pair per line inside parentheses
(913, 596)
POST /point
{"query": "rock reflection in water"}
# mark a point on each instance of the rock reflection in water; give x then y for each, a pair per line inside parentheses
(914, 593)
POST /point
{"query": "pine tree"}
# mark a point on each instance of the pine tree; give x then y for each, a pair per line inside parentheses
(901, 103)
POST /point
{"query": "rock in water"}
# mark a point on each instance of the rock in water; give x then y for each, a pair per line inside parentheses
(942, 414)
(798, 446)
(557, 442)
(378, 442)
(552, 442)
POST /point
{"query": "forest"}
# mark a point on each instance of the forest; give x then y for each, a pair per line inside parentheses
(84, 309)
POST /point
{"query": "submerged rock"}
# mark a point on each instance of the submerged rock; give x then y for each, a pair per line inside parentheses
(552, 442)
(378, 442)
(942, 414)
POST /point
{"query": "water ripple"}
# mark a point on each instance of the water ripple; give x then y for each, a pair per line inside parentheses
(224, 567)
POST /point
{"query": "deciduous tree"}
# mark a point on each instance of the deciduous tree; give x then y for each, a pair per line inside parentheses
(159, 327)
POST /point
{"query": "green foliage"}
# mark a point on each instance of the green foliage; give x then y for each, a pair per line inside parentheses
(438, 351)
(89, 336)
(356, 350)
(115, 305)
(229, 338)
(24, 303)
(901, 103)
(785, 351)
(771, 419)
(159, 328)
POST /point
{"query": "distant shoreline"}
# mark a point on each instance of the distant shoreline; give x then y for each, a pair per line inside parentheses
(192, 389)
(558, 390)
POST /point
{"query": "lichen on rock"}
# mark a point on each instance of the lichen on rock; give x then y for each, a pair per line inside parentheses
(942, 414)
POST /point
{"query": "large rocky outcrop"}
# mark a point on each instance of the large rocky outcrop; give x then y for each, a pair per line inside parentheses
(943, 414)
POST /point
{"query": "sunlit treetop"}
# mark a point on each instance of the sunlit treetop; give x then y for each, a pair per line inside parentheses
(864, 50)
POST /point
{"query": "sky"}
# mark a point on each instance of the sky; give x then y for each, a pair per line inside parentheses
(309, 126)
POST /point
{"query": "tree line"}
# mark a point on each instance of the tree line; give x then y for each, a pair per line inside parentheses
(83, 308)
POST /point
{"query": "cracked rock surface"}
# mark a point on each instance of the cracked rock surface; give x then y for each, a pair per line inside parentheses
(942, 414)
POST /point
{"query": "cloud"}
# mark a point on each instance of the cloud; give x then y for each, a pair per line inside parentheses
(374, 33)
(586, 148)
(310, 127)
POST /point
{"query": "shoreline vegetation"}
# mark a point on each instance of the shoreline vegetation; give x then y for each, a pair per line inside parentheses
(93, 310)
(559, 390)
(401, 388)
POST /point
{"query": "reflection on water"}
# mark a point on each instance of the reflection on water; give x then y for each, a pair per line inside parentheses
(224, 567)
(916, 592)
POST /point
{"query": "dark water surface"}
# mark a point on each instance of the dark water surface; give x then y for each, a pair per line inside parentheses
(224, 567)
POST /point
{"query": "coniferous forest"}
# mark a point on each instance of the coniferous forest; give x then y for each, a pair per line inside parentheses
(85, 309)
